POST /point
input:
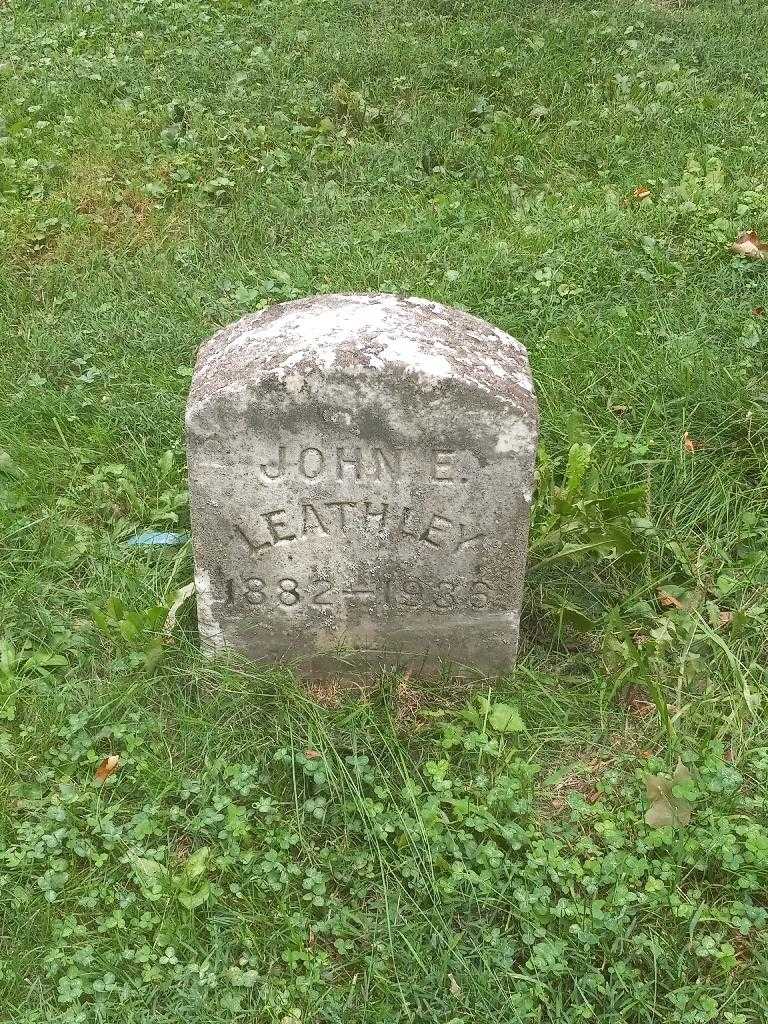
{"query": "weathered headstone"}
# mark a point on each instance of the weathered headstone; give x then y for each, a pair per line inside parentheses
(360, 471)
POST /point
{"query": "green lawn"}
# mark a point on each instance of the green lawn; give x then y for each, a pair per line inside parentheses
(399, 851)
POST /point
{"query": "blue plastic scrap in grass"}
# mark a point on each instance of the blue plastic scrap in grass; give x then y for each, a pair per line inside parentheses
(148, 540)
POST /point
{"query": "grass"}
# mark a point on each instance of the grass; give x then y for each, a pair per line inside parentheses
(398, 851)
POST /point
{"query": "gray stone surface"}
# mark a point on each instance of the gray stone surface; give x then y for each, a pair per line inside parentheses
(360, 471)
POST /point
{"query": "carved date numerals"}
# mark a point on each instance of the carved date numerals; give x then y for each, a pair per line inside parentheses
(255, 590)
(406, 592)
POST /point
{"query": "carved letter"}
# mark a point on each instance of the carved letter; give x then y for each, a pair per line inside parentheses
(389, 461)
(275, 522)
(253, 547)
(316, 457)
(308, 514)
(437, 525)
(405, 523)
(466, 538)
(442, 467)
(341, 505)
(371, 515)
(274, 470)
(342, 460)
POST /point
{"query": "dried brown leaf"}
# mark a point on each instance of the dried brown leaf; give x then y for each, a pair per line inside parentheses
(107, 767)
(638, 702)
(748, 244)
(582, 781)
(182, 848)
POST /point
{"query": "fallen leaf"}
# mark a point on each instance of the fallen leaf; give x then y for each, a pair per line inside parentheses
(742, 946)
(750, 245)
(183, 848)
(582, 780)
(641, 192)
(668, 600)
(107, 767)
(666, 808)
(182, 594)
(638, 702)
(689, 445)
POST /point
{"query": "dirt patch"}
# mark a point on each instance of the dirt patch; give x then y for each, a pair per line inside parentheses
(117, 210)
(582, 779)
(328, 693)
(97, 208)
(410, 702)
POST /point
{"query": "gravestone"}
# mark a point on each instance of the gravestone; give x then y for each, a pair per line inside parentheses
(360, 474)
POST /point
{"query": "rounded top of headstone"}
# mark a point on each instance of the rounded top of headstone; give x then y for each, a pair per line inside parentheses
(366, 334)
